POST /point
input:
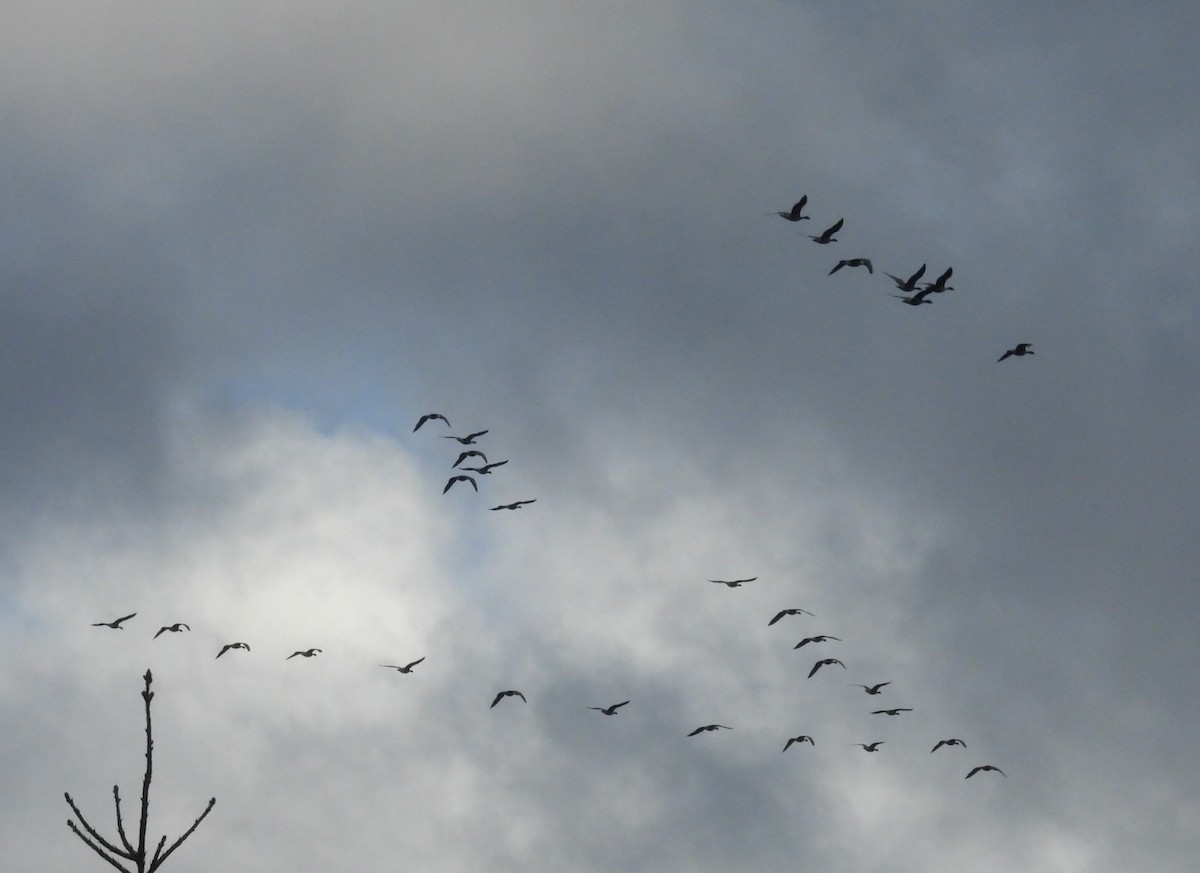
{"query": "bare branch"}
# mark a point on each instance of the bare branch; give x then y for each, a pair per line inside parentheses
(121, 824)
(91, 830)
(154, 866)
(147, 695)
(96, 848)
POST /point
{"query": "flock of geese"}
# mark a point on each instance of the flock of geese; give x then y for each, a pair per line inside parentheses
(911, 293)
(485, 468)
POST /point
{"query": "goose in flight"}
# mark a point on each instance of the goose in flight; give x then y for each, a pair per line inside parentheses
(918, 298)
(795, 215)
(709, 727)
(472, 453)
(784, 612)
(431, 416)
(733, 583)
(486, 468)
(982, 767)
(609, 710)
(817, 666)
(454, 479)
(939, 285)
(1021, 350)
(828, 235)
(516, 504)
(950, 742)
(896, 711)
(803, 738)
(173, 628)
(854, 262)
(871, 747)
(407, 668)
(115, 624)
(468, 440)
(504, 694)
(908, 285)
(872, 689)
(307, 653)
(817, 639)
(229, 646)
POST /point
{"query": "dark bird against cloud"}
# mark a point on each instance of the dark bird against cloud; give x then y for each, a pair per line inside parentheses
(908, 285)
(733, 583)
(173, 628)
(825, 662)
(516, 504)
(950, 742)
(307, 653)
(797, 208)
(872, 689)
(854, 262)
(828, 235)
(983, 768)
(709, 727)
(407, 668)
(454, 479)
(504, 694)
(229, 646)
(430, 417)
(783, 612)
(871, 747)
(471, 453)
(609, 710)
(803, 738)
(468, 440)
(115, 624)
(1020, 350)
(895, 711)
(817, 639)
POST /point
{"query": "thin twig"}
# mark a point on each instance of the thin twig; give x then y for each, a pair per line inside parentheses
(91, 830)
(121, 824)
(211, 802)
(95, 848)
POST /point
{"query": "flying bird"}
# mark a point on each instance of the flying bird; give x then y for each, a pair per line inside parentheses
(828, 235)
(469, 439)
(817, 639)
(429, 417)
(472, 453)
(854, 262)
(985, 767)
(733, 583)
(407, 668)
(709, 727)
(871, 747)
(908, 285)
(307, 653)
(784, 612)
(896, 711)
(951, 742)
(454, 479)
(817, 666)
(918, 298)
(1021, 350)
(795, 215)
(516, 504)
(938, 285)
(233, 646)
(174, 628)
(115, 624)
(803, 738)
(504, 694)
(873, 689)
(609, 710)
(486, 468)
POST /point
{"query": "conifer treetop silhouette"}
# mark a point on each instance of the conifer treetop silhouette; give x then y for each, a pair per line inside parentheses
(123, 849)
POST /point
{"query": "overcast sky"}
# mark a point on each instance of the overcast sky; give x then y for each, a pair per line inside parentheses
(245, 246)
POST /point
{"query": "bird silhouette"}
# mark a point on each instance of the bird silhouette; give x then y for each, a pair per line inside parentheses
(709, 727)
(871, 747)
(407, 668)
(908, 285)
(486, 468)
(468, 440)
(817, 666)
(1021, 350)
(950, 742)
(454, 479)
(828, 235)
(817, 639)
(471, 453)
(504, 694)
(516, 504)
(872, 689)
(784, 612)
(803, 738)
(174, 628)
(795, 215)
(983, 767)
(115, 624)
(229, 646)
(430, 417)
(938, 285)
(609, 710)
(307, 653)
(896, 711)
(854, 262)
(733, 583)
(918, 298)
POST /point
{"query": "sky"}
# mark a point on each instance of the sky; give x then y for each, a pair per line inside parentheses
(244, 247)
